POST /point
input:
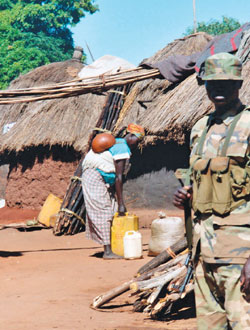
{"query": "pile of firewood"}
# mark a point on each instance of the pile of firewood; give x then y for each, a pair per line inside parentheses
(159, 285)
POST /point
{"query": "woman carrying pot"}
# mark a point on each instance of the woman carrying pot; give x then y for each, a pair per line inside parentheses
(103, 171)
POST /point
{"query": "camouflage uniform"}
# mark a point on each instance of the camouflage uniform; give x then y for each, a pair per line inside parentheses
(222, 241)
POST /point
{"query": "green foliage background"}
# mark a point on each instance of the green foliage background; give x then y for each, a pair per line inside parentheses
(215, 27)
(36, 32)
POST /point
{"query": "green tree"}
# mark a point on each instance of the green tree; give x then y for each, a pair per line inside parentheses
(215, 27)
(36, 32)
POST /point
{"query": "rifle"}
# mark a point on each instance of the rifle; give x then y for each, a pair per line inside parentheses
(180, 175)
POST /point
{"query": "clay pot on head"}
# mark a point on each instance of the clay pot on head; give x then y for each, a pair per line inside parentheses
(102, 142)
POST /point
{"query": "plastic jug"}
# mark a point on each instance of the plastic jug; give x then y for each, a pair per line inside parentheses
(120, 225)
(50, 207)
(132, 245)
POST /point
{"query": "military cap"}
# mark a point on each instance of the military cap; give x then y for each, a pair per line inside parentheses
(222, 66)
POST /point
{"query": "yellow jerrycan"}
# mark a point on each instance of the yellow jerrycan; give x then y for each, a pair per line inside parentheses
(50, 207)
(120, 225)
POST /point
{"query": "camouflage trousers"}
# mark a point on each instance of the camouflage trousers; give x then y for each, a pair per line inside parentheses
(219, 302)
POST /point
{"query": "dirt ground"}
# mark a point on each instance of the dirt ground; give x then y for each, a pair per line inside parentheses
(15, 215)
(49, 282)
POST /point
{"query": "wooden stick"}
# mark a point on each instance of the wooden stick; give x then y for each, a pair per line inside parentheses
(159, 280)
(94, 85)
(88, 81)
(154, 295)
(170, 298)
(84, 80)
(115, 108)
(175, 284)
(178, 260)
(164, 256)
(103, 298)
(140, 304)
(111, 109)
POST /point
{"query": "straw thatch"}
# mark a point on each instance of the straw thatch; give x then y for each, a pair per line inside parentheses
(44, 75)
(191, 44)
(69, 121)
(165, 109)
(168, 111)
(64, 122)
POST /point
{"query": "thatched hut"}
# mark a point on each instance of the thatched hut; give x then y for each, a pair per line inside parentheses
(49, 136)
(45, 144)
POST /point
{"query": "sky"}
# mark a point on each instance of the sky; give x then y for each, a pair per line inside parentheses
(137, 29)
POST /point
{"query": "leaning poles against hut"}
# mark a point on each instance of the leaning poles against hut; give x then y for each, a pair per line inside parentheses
(159, 286)
(78, 86)
(71, 217)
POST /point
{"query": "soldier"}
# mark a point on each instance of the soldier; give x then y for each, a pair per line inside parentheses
(220, 195)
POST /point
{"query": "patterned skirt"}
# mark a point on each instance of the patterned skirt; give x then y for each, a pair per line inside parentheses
(100, 207)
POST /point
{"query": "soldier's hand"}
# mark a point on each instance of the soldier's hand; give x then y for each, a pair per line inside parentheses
(182, 196)
(245, 280)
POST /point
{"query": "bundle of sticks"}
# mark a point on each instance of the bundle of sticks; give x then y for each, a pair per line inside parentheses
(159, 285)
(71, 218)
(78, 86)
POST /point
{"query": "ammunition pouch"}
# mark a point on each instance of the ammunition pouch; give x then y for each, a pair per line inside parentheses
(240, 181)
(220, 175)
(220, 185)
(202, 186)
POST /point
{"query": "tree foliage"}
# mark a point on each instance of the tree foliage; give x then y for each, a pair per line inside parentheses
(215, 27)
(36, 32)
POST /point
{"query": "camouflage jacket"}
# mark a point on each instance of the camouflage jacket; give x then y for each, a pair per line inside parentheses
(223, 239)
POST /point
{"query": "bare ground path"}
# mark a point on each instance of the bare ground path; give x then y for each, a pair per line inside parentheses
(48, 282)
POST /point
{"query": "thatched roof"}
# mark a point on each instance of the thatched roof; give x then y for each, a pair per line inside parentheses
(61, 121)
(169, 110)
(165, 109)
(184, 46)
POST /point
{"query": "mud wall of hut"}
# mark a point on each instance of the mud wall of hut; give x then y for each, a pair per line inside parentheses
(150, 183)
(37, 172)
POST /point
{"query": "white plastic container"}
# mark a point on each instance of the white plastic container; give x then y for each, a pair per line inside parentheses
(2, 203)
(165, 231)
(132, 245)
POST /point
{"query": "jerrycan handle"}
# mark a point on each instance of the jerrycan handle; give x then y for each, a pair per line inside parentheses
(117, 214)
(130, 232)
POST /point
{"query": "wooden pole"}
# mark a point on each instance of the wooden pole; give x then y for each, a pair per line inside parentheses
(159, 280)
(92, 85)
(164, 256)
(92, 57)
(194, 12)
